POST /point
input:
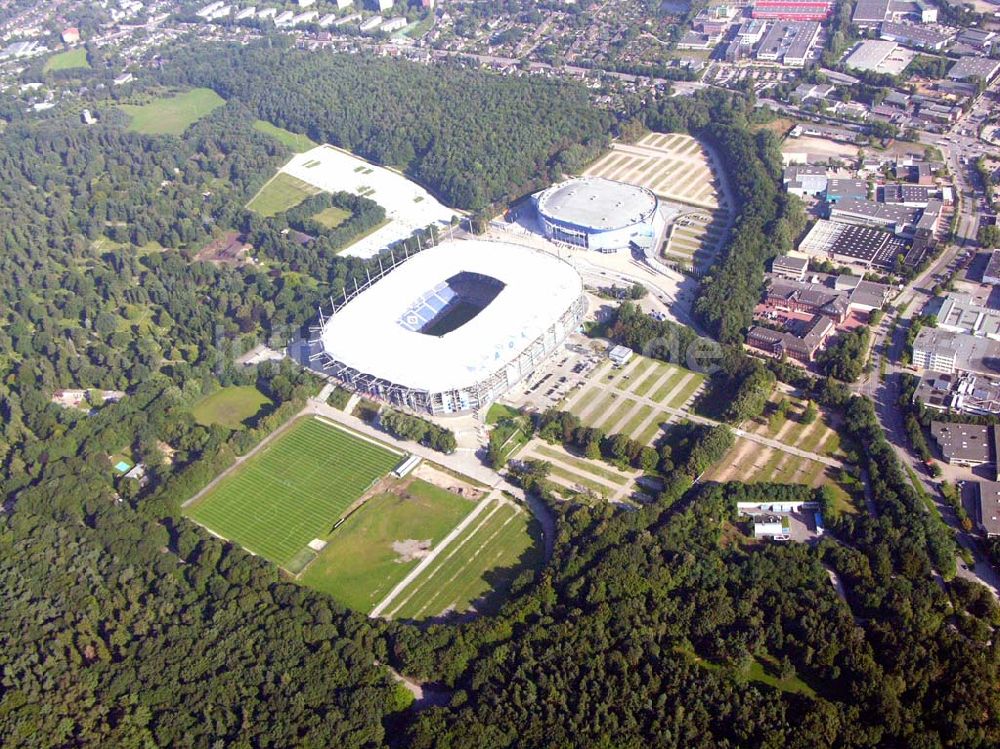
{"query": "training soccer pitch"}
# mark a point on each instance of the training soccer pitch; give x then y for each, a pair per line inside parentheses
(281, 192)
(229, 406)
(69, 60)
(172, 115)
(293, 490)
(476, 569)
(380, 543)
(297, 142)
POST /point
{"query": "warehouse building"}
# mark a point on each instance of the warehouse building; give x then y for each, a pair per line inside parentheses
(949, 352)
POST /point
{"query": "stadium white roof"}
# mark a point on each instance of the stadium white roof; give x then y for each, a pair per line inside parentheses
(366, 334)
(597, 203)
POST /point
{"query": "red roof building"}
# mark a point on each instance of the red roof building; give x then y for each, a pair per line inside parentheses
(71, 35)
(792, 10)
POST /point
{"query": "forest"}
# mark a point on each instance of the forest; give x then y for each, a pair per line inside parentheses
(127, 626)
(472, 138)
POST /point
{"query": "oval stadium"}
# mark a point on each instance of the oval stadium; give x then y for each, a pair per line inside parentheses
(454, 327)
(600, 214)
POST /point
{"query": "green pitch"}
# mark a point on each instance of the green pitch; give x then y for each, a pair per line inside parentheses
(293, 490)
(173, 115)
(74, 58)
(476, 569)
(281, 192)
(297, 142)
(229, 406)
(364, 561)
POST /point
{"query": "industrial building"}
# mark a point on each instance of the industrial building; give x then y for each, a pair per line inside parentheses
(912, 196)
(964, 444)
(992, 272)
(792, 10)
(853, 245)
(600, 214)
(845, 189)
(870, 14)
(870, 54)
(961, 393)
(805, 180)
(793, 268)
(974, 67)
(949, 352)
(912, 35)
(789, 42)
(959, 313)
(895, 218)
(987, 508)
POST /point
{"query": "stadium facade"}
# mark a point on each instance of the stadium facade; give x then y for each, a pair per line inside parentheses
(600, 214)
(454, 327)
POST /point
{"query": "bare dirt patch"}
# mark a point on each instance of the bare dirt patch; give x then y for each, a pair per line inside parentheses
(443, 480)
(411, 549)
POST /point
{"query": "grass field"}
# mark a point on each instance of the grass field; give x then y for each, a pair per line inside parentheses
(73, 58)
(332, 217)
(476, 568)
(283, 191)
(297, 142)
(293, 490)
(229, 406)
(359, 565)
(172, 115)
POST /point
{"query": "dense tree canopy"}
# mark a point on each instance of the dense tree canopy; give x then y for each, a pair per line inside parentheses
(470, 137)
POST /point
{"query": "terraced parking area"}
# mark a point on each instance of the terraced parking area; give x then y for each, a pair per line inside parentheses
(753, 462)
(634, 399)
(672, 165)
(581, 474)
(695, 239)
(676, 168)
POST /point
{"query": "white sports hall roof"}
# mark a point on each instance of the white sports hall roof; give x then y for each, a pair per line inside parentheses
(366, 333)
(597, 203)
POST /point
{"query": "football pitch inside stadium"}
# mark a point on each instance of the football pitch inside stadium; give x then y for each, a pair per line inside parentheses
(293, 490)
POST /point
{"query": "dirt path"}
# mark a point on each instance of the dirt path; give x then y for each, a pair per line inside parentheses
(423, 695)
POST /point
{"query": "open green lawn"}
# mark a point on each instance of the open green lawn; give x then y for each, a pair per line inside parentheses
(332, 217)
(293, 490)
(476, 568)
(499, 411)
(283, 191)
(359, 565)
(229, 406)
(297, 142)
(172, 115)
(73, 58)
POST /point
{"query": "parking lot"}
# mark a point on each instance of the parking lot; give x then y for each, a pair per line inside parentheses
(561, 374)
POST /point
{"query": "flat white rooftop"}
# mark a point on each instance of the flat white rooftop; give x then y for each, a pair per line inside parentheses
(367, 335)
(407, 205)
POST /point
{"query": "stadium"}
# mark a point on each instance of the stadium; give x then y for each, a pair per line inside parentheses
(600, 214)
(454, 327)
